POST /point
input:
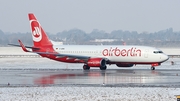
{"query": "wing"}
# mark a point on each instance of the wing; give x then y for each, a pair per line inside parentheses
(58, 55)
(50, 53)
(80, 57)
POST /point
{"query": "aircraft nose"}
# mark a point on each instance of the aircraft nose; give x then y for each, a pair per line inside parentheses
(165, 57)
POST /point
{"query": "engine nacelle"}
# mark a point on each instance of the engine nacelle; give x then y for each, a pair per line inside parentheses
(96, 62)
(124, 64)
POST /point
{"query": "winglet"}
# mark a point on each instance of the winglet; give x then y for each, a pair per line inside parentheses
(23, 47)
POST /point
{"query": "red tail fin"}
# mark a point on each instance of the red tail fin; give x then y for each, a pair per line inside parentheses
(40, 38)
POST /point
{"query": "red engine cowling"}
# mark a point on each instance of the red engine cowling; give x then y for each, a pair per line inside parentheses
(96, 62)
(124, 64)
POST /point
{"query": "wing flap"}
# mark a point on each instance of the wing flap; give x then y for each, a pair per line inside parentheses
(72, 56)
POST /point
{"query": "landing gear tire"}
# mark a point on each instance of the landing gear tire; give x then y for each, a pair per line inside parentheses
(103, 68)
(86, 67)
(152, 68)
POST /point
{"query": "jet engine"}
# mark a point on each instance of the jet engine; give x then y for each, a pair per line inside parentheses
(96, 62)
(124, 64)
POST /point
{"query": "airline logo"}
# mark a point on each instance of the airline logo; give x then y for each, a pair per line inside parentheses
(36, 31)
(133, 52)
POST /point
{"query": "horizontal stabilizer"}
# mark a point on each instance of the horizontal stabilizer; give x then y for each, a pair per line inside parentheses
(34, 48)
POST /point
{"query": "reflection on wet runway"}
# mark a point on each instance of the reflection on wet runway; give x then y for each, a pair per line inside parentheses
(30, 77)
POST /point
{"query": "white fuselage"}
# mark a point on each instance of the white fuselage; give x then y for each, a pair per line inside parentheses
(124, 54)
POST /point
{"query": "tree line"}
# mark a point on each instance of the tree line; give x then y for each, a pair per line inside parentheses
(163, 38)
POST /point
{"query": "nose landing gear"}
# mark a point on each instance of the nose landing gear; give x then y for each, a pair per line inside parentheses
(154, 64)
(152, 68)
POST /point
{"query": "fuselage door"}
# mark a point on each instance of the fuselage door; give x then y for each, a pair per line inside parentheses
(146, 53)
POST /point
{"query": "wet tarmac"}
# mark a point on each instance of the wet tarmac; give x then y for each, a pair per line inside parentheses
(44, 72)
(93, 77)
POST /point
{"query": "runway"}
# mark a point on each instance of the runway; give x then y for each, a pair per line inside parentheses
(44, 72)
(111, 77)
(43, 79)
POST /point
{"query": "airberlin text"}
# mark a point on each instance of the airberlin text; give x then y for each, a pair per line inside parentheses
(134, 52)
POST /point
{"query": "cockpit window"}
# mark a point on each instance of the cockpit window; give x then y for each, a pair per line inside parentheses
(158, 52)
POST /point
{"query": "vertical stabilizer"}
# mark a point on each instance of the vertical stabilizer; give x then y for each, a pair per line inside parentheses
(40, 38)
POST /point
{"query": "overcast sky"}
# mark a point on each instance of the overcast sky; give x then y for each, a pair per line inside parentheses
(108, 15)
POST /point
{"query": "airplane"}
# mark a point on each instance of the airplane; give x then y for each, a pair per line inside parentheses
(91, 55)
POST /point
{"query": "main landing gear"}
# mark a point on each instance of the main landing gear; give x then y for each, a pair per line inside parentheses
(152, 68)
(103, 67)
(86, 67)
